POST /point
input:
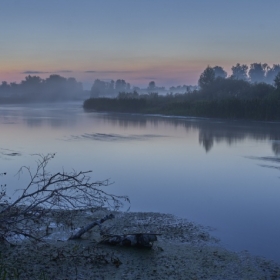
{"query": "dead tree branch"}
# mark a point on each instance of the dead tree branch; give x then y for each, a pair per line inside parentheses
(28, 213)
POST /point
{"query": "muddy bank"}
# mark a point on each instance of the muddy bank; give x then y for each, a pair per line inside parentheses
(183, 251)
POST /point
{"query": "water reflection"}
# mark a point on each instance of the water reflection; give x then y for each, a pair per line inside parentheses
(210, 131)
(123, 120)
(7, 154)
(274, 162)
(110, 137)
(276, 148)
(54, 115)
(207, 140)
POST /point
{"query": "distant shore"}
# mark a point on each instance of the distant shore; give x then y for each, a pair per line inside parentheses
(183, 251)
(237, 109)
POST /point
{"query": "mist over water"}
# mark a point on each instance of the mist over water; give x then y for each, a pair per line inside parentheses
(218, 173)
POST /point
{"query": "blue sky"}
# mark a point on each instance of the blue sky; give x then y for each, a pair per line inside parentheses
(169, 41)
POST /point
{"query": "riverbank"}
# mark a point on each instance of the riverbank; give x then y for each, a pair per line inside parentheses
(184, 250)
(228, 108)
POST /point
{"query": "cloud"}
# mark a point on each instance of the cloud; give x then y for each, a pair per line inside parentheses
(107, 72)
(64, 71)
(149, 78)
(32, 72)
(35, 72)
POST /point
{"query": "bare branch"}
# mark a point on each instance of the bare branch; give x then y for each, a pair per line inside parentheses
(29, 214)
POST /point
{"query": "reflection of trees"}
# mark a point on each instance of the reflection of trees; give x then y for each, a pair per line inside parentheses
(276, 148)
(210, 131)
(37, 117)
(206, 140)
(126, 120)
(34, 122)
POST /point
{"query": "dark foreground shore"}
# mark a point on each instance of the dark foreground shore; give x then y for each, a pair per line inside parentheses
(183, 251)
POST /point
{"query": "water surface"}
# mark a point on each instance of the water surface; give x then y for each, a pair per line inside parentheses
(222, 174)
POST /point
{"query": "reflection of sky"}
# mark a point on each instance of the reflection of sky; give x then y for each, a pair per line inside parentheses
(161, 165)
(170, 42)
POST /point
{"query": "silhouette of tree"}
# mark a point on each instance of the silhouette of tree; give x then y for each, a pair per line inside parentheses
(220, 72)
(35, 89)
(55, 88)
(31, 87)
(227, 88)
(261, 90)
(271, 73)
(103, 88)
(277, 81)
(206, 78)
(257, 72)
(111, 86)
(239, 72)
(152, 86)
(15, 89)
(31, 80)
(73, 87)
(4, 89)
(120, 85)
(97, 88)
(4, 86)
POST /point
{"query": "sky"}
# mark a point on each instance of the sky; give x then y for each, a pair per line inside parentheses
(168, 41)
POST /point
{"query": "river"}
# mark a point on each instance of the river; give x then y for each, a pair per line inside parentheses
(221, 174)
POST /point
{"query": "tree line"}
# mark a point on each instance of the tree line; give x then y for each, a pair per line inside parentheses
(238, 96)
(256, 73)
(113, 88)
(35, 89)
(246, 82)
(240, 84)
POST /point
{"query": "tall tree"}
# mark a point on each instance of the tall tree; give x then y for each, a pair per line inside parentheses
(31, 80)
(257, 72)
(31, 87)
(277, 81)
(271, 73)
(98, 88)
(120, 85)
(4, 89)
(112, 85)
(239, 72)
(206, 78)
(219, 72)
(151, 86)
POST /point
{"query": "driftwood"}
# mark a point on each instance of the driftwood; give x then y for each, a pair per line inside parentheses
(83, 230)
(135, 239)
(144, 240)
